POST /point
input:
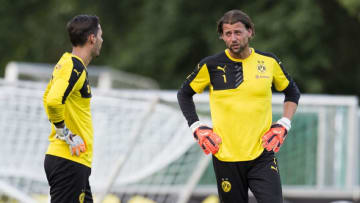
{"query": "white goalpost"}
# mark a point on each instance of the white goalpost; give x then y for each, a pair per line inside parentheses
(103, 77)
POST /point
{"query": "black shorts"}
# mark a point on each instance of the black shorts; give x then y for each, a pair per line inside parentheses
(68, 180)
(261, 175)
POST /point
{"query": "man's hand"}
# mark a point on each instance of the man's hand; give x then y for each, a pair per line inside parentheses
(275, 137)
(75, 142)
(206, 138)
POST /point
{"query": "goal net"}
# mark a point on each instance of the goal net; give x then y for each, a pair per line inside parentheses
(143, 147)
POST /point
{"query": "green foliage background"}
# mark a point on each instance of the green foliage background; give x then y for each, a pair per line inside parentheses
(317, 40)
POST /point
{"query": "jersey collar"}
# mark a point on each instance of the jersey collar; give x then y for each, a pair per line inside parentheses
(72, 55)
(227, 52)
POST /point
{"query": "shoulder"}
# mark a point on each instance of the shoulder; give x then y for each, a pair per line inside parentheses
(213, 59)
(77, 64)
(70, 62)
(69, 66)
(268, 55)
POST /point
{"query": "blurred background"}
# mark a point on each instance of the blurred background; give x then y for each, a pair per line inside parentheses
(150, 47)
(316, 40)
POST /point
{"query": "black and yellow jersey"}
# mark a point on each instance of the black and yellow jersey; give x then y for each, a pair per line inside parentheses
(240, 92)
(67, 98)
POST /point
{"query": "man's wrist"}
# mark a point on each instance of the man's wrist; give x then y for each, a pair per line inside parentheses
(61, 133)
(285, 122)
(60, 124)
(195, 125)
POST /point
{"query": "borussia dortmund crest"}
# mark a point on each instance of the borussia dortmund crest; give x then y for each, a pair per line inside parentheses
(226, 185)
(261, 67)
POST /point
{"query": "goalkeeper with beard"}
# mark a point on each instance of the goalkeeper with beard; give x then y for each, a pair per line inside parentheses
(243, 139)
(67, 104)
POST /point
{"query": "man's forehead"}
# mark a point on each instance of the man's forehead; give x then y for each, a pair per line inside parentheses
(100, 30)
(237, 25)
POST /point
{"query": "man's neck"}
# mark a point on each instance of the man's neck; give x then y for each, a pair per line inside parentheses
(82, 53)
(242, 55)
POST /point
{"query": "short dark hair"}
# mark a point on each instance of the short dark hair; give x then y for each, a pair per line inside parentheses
(80, 27)
(234, 16)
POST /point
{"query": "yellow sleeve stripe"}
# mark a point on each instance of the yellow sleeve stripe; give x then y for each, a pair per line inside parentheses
(201, 80)
(55, 107)
(281, 86)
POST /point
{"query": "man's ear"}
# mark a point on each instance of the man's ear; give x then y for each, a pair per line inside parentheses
(221, 36)
(251, 32)
(92, 39)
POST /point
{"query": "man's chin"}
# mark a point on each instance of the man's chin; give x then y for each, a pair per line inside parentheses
(96, 54)
(235, 51)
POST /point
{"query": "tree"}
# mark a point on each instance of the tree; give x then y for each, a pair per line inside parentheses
(166, 39)
(342, 33)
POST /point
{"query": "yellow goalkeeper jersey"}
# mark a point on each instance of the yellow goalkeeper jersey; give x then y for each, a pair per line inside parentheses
(67, 98)
(240, 99)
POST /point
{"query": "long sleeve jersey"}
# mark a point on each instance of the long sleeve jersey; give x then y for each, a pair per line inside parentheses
(67, 99)
(240, 92)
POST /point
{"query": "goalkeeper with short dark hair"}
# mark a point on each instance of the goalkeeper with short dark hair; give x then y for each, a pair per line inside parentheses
(67, 104)
(240, 80)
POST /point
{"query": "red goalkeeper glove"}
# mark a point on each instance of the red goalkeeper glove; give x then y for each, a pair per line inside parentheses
(275, 137)
(206, 138)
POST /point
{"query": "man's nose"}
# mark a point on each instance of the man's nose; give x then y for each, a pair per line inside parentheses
(233, 37)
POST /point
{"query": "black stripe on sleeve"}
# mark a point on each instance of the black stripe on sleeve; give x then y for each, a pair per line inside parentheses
(186, 103)
(185, 97)
(78, 68)
(292, 92)
(60, 124)
(85, 91)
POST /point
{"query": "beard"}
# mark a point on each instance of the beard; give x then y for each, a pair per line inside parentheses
(240, 47)
(238, 50)
(96, 51)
